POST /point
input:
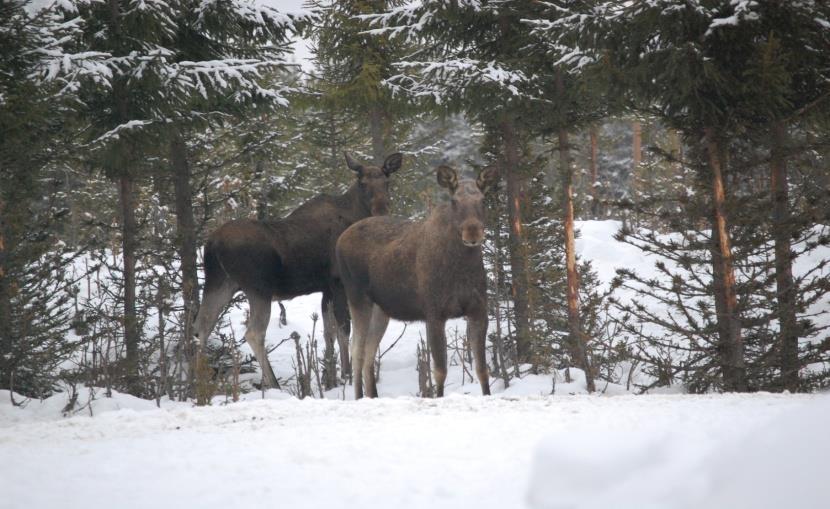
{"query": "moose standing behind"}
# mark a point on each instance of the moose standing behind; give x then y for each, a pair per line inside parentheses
(430, 271)
(278, 260)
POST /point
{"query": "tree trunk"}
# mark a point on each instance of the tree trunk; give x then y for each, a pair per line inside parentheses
(262, 199)
(785, 288)
(129, 228)
(576, 337)
(676, 148)
(636, 145)
(376, 127)
(518, 260)
(498, 341)
(185, 224)
(185, 240)
(731, 348)
(129, 231)
(5, 305)
(3, 252)
(636, 159)
(595, 206)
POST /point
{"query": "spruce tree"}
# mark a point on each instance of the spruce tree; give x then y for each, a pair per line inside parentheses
(669, 59)
(713, 71)
(351, 67)
(38, 76)
(170, 65)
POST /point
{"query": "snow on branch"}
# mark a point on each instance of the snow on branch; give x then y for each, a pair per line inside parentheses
(116, 133)
(261, 13)
(49, 36)
(742, 11)
(449, 77)
(411, 19)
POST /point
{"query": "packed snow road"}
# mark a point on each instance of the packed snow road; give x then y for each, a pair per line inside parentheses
(657, 451)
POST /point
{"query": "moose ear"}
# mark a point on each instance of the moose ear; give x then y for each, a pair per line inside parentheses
(392, 163)
(488, 178)
(351, 163)
(447, 177)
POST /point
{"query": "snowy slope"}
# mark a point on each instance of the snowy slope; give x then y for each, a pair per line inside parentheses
(462, 451)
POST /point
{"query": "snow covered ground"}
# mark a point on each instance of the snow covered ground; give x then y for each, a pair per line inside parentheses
(654, 451)
(522, 447)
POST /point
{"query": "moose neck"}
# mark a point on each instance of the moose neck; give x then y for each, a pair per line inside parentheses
(356, 205)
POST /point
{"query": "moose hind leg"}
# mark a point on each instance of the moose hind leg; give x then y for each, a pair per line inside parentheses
(259, 316)
(377, 327)
(477, 334)
(361, 311)
(214, 300)
(438, 345)
(340, 307)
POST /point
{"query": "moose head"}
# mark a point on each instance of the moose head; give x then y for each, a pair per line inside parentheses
(466, 211)
(373, 182)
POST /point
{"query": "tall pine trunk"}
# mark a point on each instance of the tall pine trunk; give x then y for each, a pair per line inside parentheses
(636, 144)
(595, 206)
(129, 233)
(129, 227)
(376, 128)
(731, 347)
(636, 159)
(785, 286)
(518, 260)
(576, 337)
(5, 305)
(500, 362)
(185, 236)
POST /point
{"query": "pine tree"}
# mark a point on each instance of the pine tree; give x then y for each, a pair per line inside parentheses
(648, 46)
(168, 66)
(577, 100)
(787, 85)
(712, 70)
(39, 76)
(352, 66)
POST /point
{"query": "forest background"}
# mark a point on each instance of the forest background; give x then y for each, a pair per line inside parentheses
(130, 129)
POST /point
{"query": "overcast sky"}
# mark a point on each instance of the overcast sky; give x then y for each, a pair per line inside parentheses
(302, 52)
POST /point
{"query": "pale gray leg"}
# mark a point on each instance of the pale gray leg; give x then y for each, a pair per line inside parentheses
(213, 302)
(377, 327)
(260, 314)
(438, 345)
(361, 318)
(477, 334)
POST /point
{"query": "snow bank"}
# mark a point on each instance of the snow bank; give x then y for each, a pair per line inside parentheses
(686, 464)
(89, 402)
(461, 451)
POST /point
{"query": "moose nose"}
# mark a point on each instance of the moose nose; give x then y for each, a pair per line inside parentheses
(380, 207)
(472, 233)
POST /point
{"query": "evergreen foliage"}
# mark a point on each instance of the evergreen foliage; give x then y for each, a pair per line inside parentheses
(192, 109)
(38, 78)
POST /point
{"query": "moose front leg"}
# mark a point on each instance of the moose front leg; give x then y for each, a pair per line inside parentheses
(438, 345)
(477, 334)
